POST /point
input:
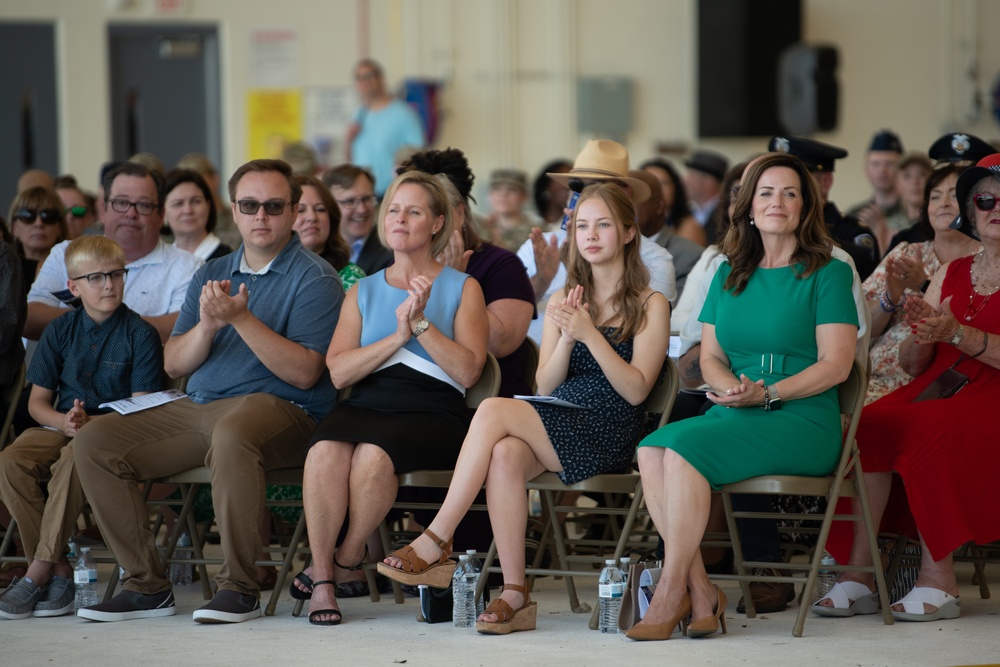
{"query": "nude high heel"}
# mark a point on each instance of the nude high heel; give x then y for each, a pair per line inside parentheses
(658, 632)
(707, 625)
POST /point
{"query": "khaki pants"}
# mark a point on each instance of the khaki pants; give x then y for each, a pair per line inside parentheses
(44, 526)
(238, 438)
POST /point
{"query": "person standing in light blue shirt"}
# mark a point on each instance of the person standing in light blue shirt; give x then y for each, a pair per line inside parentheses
(381, 127)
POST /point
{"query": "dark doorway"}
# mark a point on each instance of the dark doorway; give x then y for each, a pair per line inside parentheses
(165, 91)
(29, 135)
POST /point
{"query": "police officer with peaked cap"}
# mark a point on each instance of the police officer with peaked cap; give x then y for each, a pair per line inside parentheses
(848, 232)
(960, 147)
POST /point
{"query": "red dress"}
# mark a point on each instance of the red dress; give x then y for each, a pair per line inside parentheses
(946, 451)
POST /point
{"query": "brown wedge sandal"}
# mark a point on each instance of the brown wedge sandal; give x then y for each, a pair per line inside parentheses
(416, 571)
(509, 620)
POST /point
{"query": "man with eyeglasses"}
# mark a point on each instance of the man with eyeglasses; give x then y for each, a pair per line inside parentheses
(381, 127)
(252, 335)
(352, 188)
(159, 273)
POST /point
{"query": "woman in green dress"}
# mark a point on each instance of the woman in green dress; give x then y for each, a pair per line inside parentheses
(779, 331)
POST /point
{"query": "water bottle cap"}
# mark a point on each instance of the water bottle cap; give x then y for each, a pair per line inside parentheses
(85, 550)
(471, 552)
(610, 561)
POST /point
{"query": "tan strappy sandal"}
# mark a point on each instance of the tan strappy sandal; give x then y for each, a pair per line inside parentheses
(415, 571)
(509, 620)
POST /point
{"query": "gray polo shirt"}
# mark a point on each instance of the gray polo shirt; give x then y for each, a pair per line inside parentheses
(298, 296)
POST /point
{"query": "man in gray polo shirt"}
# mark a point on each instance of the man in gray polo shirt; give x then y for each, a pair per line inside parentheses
(252, 334)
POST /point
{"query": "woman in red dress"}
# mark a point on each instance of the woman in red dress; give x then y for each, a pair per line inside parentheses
(944, 450)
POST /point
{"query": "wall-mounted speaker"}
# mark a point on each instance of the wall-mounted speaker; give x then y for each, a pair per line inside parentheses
(808, 93)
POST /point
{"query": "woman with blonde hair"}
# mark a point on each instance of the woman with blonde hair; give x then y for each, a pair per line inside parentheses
(604, 343)
(410, 340)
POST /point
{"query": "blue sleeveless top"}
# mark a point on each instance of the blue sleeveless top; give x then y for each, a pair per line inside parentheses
(378, 301)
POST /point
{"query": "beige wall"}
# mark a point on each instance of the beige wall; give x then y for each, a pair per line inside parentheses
(510, 67)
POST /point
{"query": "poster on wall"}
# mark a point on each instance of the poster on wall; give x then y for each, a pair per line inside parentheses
(274, 58)
(327, 111)
(274, 119)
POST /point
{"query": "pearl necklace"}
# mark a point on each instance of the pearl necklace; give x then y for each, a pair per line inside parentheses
(974, 308)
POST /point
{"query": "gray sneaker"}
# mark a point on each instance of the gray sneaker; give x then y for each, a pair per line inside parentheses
(19, 599)
(129, 605)
(229, 607)
(60, 596)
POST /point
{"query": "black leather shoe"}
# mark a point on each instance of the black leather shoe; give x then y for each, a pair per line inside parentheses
(769, 597)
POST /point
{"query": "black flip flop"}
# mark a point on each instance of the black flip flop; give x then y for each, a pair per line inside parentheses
(324, 612)
(297, 592)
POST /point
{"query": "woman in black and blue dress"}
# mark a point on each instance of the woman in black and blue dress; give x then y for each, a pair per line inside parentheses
(603, 345)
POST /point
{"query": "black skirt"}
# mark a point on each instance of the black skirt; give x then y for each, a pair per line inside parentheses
(419, 421)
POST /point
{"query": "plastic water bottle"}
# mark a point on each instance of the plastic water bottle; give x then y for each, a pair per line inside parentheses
(463, 611)
(85, 578)
(623, 564)
(475, 571)
(825, 578)
(180, 573)
(71, 554)
(611, 589)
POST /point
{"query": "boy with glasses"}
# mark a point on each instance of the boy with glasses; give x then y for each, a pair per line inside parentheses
(98, 353)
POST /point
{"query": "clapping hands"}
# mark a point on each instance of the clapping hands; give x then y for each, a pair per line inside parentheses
(217, 308)
(929, 324)
(572, 316)
(75, 418)
(411, 310)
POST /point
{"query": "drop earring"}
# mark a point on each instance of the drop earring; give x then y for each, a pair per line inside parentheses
(751, 221)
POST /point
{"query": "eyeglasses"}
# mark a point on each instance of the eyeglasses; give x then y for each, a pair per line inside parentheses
(271, 206)
(97, 279)
(354, 202)
(76, 211)
(50, 216)
(141, 207)
(986, 202)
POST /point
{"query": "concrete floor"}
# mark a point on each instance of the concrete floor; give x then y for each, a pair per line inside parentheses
(385, 633)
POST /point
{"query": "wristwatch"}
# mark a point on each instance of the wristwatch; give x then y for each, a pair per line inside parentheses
(925, 285)
(957, 338)
(771, 399)
(421, 327)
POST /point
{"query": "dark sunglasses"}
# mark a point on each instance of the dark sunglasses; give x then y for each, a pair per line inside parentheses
(986, 202)
(76, 211)
(271, 206)
(49, 216)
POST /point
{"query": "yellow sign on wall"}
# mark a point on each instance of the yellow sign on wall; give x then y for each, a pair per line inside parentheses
(274, 119)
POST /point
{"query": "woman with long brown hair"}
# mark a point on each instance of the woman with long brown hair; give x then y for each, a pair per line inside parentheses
(778, 336)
